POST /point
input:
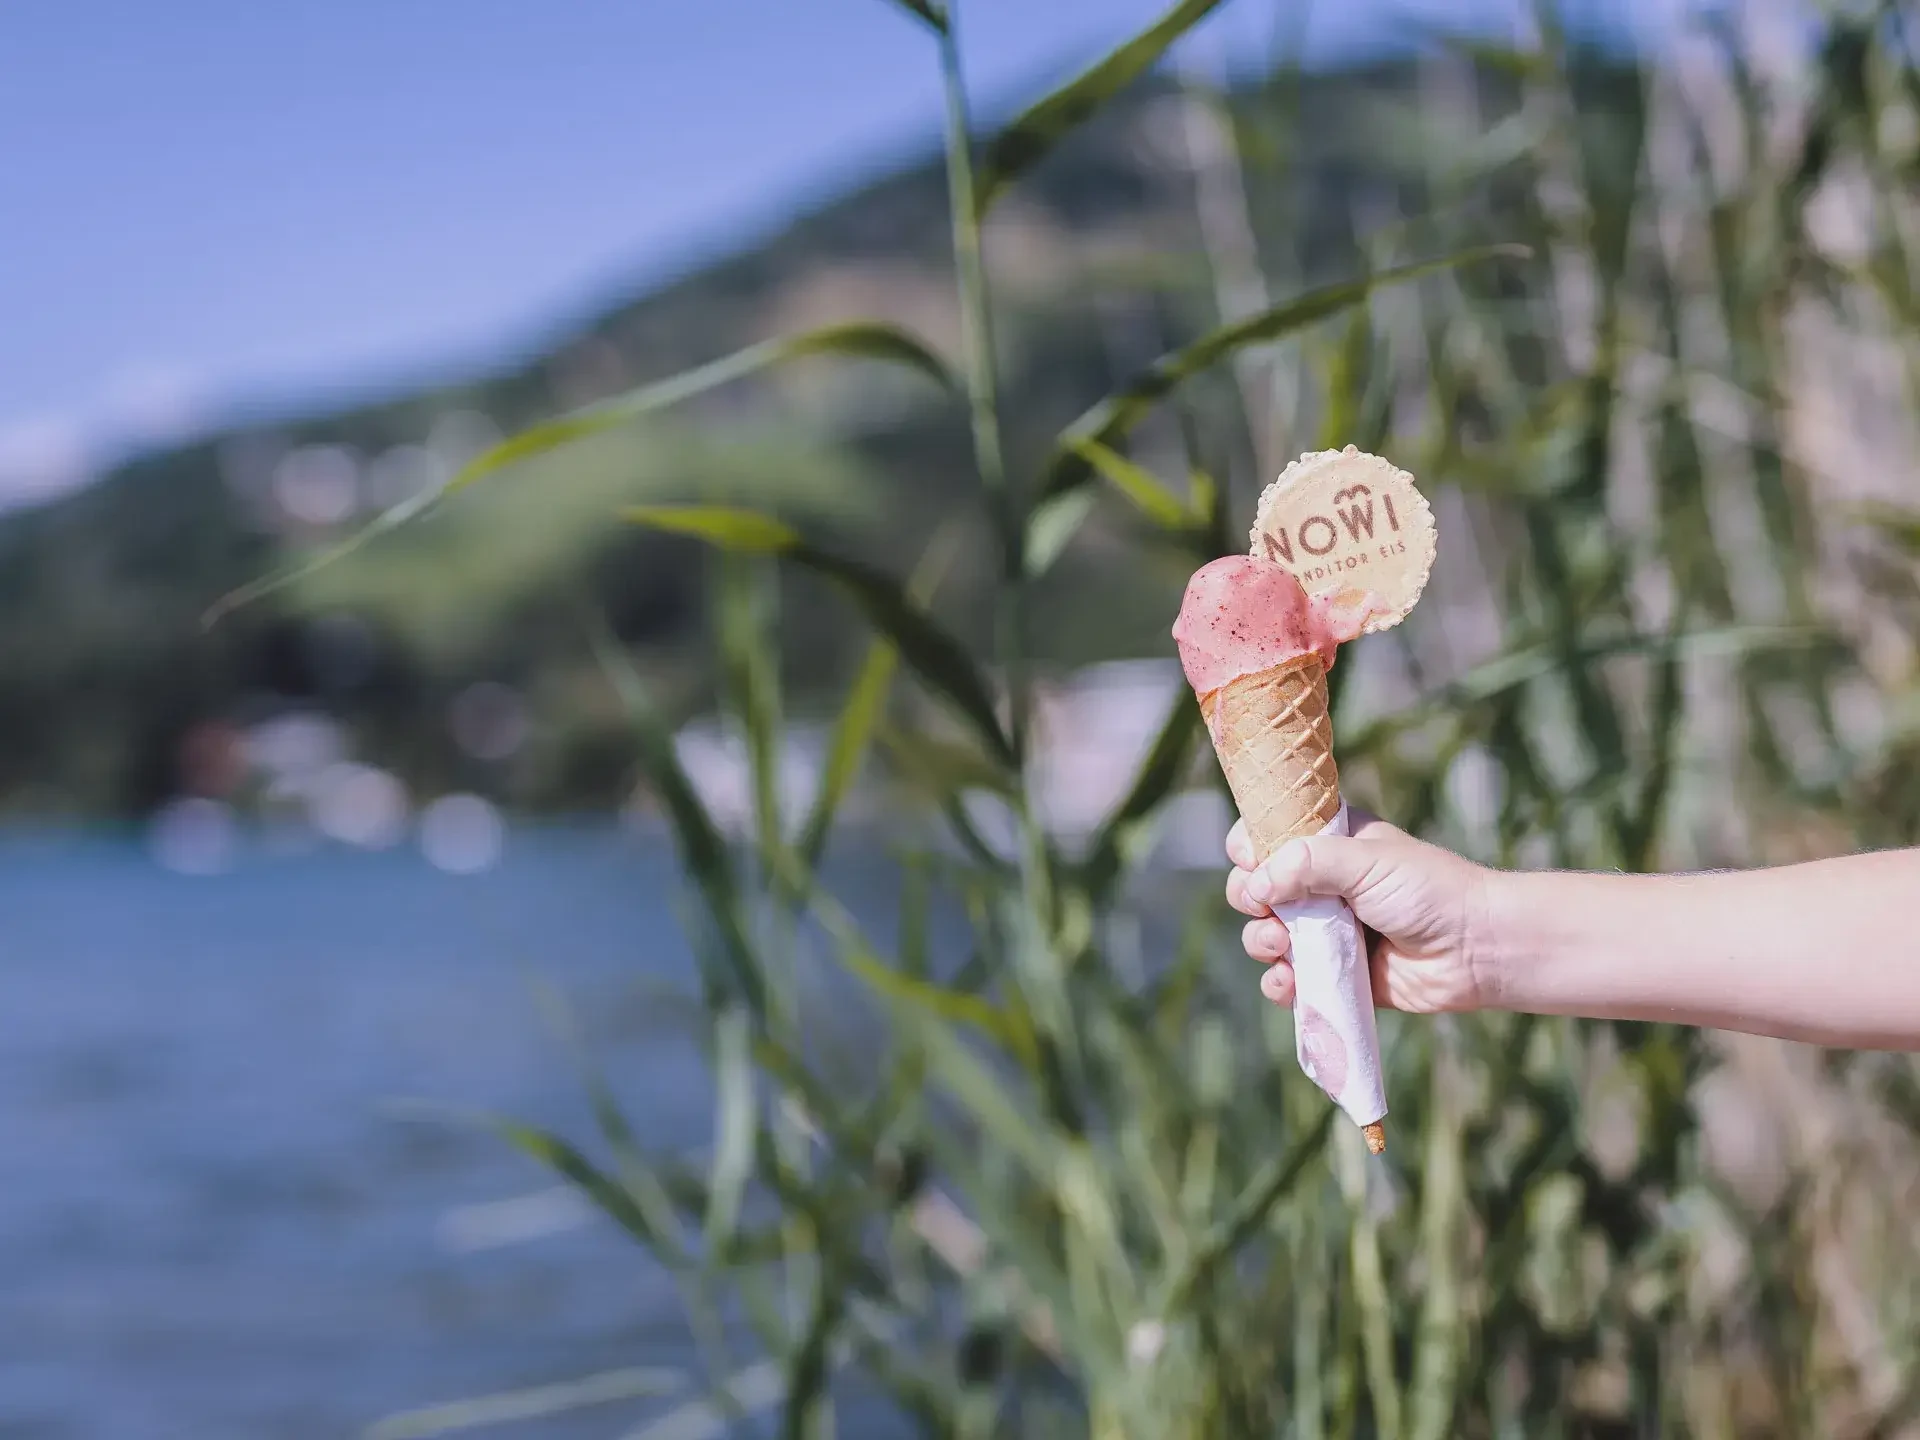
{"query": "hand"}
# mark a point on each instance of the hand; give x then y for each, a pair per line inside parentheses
(1423, 908)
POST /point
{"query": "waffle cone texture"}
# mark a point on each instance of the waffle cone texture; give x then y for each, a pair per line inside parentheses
(1274, 737)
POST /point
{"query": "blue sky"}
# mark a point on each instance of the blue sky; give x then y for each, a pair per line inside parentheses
(209, 203)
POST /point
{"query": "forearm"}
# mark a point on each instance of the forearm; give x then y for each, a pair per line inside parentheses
(1827, 952)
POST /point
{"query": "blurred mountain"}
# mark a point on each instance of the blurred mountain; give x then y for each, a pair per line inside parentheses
(112, 698)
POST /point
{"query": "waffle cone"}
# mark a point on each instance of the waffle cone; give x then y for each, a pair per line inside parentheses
(1274, 737)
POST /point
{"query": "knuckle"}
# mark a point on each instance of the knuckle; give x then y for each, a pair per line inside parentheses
(1238, 897)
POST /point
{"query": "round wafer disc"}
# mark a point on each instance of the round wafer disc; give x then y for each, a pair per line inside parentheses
(1346, 520)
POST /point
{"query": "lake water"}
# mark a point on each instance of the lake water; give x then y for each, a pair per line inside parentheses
(210, 1224)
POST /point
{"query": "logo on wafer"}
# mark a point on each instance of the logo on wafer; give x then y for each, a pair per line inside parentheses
(1343, 520)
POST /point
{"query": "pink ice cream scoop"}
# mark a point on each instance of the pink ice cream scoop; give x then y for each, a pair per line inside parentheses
(1242, 615)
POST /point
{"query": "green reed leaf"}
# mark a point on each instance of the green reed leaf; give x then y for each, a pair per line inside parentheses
(736, 1125)
(748, 1391)
(1895, 523)
(1640, 822)
(859, 339)
(1140, 485)
(1159, 775)
(1440, 1333)
(862, 339)
(955, 1068)
(635, 1172)
(1499, 677)
(942, 769)
(1051, 526)
(1034, 1285)
(1088, 1187)
(866, 703)
(790, 1072)
(1346, 382)
(852, 729)
(956, 1007)
(1114, 416)
(924, 1392)
(940, 660)
(1367, 1272)
(1507, 60)
(1271, 1183)
(724, 526)
(1036, 130)
(567, 1161)
(810, 1363)
(1170, 1003)
(697, 838)
(1200, 1159)
(1144, 1163)
(534, 1402)
(292, 574)
(750, 674)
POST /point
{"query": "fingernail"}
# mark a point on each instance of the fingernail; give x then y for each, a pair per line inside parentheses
(1273, 985)
(1258, 887)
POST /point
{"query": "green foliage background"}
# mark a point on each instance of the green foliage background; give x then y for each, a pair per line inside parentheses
(1083, 1192)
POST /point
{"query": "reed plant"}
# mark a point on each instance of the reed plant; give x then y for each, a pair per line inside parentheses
(1073, 1185)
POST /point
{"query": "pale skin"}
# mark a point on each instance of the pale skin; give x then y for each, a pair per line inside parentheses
(1826, 952)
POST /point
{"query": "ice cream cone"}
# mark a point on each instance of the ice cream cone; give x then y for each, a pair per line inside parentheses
(1341, 547)
(1273, 734)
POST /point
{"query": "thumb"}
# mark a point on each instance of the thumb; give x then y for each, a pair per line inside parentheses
(1314, 865)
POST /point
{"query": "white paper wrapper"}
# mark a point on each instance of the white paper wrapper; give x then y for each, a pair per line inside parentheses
(1333, 1028)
